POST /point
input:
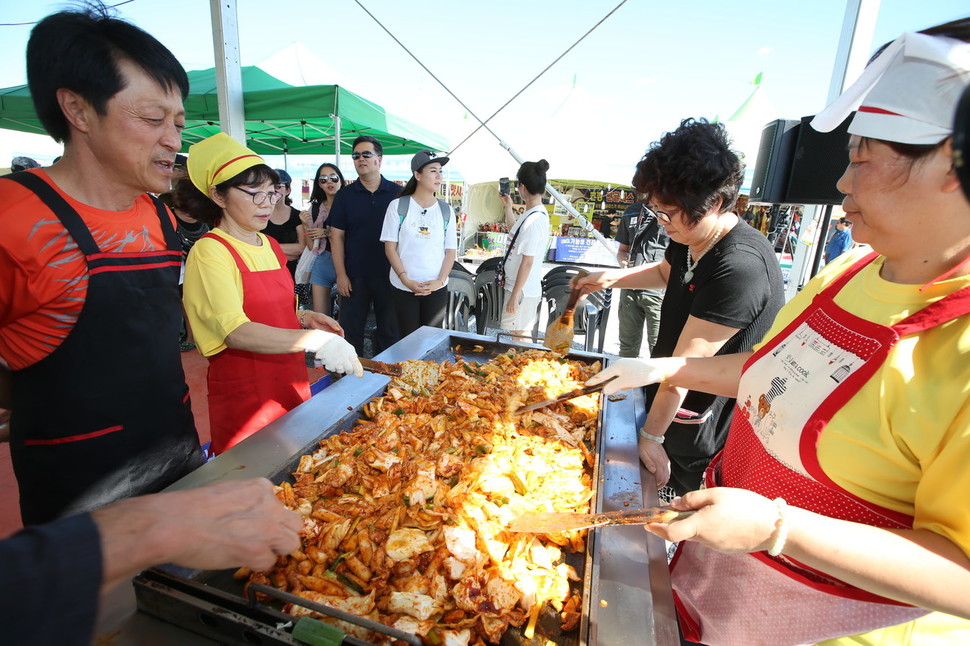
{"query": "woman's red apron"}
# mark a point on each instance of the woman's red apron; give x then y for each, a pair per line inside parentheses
(798, 380)
(248, 390)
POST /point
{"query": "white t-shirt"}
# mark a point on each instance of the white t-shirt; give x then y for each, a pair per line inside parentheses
(533, 241)
(421, 239)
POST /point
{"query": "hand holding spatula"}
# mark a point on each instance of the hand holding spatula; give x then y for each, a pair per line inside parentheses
(559, 334)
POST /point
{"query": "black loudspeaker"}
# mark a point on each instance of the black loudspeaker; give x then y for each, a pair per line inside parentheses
(774, 161)
(819, 161)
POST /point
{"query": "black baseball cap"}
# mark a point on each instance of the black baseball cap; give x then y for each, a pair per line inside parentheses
(425, 157)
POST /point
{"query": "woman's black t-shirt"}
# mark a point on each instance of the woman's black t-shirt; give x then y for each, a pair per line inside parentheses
(738, 283)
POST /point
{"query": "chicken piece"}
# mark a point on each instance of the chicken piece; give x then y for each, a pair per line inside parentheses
(422, 488)
(461, 543)
(380, 460)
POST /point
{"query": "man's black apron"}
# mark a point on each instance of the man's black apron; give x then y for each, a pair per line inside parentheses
(107, 414)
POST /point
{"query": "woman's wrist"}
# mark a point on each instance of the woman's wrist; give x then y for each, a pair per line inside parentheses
(780, 534)
(658, 439)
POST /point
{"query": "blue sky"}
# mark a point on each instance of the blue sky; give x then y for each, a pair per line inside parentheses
(592, 115)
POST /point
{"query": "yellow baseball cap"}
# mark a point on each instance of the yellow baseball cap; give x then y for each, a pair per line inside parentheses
(218, 158)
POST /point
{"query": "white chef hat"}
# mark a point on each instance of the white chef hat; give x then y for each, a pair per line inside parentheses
(907, 95)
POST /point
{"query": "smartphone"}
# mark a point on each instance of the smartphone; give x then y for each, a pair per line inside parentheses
(503, 186)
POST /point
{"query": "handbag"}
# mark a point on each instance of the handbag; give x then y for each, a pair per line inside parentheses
(304, 266)
(500, 268)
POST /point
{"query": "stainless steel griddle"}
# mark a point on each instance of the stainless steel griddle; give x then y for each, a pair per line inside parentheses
(626, 583)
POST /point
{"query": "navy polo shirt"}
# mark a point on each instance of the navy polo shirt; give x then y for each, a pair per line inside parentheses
(360, 215)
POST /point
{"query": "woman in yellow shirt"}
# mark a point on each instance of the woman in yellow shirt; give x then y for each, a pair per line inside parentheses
(837, 511)
(239, 298)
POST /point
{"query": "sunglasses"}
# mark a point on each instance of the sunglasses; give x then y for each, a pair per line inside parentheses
(366, 155)
(329, 178)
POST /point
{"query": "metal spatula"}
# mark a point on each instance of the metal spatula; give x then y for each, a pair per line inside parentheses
(576, 392)
(413, 372)
(559, 334)
(381, 368)
(553, 522)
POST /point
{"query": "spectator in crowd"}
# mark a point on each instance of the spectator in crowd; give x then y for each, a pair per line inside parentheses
(91, 263)
(284, 223)
(723, 288)
(286, 227)
(189, 231)
(323, 277)
(52, 576)
(421, 241)
(840, 242)
(528, 240)
(837, 512)
(239, 296)
(356, 220)
(605, 222)
(641, 240)
(22, 163)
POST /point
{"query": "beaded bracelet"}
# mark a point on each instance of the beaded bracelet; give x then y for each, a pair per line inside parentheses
(780, 535)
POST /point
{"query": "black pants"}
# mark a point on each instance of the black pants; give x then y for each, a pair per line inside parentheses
(415, 311)
(354, 309)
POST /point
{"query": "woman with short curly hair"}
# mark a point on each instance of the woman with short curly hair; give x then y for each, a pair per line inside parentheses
(723, 288)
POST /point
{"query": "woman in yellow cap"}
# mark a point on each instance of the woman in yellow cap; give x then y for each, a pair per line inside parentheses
(239, 297)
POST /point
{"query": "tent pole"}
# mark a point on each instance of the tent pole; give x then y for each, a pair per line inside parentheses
(225, 42)
(336, 146)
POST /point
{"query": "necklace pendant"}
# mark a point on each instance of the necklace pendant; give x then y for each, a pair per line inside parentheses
(688, 276)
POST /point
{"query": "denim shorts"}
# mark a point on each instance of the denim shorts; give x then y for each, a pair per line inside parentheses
(323, 273)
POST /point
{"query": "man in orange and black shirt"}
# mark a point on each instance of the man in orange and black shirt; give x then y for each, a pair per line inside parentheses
(89, 303)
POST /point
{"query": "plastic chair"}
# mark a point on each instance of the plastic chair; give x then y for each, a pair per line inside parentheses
(460, 266)
(489, 301)
(462, 296)
(489, 264)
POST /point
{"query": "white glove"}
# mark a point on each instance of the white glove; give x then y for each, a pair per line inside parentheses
(334, 352)
(629, 373)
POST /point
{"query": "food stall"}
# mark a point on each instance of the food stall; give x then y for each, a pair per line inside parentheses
(569, 242)
(623, 573)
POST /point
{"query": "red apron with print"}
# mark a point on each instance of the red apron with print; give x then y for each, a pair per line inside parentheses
(248, 390)
(798, 380)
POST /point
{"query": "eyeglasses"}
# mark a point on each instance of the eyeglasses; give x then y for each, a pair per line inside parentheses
(260, 197)
(329, 178)
(366, 155)
(663, 216)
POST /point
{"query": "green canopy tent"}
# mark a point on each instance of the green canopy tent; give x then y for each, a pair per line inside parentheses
(280, 118)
